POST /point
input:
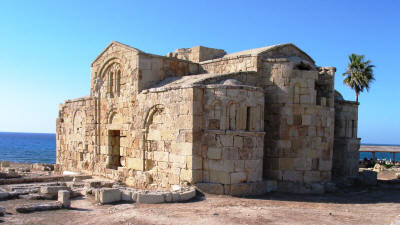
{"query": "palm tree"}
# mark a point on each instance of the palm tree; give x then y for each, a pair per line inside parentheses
(359, 74)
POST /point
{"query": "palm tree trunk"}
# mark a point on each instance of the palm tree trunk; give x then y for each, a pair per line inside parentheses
(357, 97)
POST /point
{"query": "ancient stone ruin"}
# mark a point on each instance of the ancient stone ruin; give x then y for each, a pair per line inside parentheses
(237, 124)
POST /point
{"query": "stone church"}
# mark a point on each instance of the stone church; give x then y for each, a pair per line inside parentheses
(228, 123)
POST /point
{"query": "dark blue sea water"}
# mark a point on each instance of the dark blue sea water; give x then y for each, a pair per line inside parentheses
(28, 147)
(41, 148)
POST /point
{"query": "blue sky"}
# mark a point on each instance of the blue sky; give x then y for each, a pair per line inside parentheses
(46, 47)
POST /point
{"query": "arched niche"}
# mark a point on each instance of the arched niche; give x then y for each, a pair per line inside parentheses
(155, 135)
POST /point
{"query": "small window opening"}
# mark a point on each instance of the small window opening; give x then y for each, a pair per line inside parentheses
(303, 66)
(118, 82)
(353, 128)
(111, 87)
(114, 143)
(248, 119)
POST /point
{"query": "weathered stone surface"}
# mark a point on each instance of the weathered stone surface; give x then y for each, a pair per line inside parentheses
(197, 117)
(51, 192)
(150, 198)
(368, 178)
(187, 195)
(2, 211)
(126, 195)
(64, 198)
(38, 207)
(108, 195)
(211, 188)
(4, 195)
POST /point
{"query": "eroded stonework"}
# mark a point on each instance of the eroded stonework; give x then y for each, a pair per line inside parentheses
(200, 115)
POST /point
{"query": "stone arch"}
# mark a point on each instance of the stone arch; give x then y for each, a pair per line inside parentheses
(215, 114)
(110, 75)
(152, 140)
(79, 121)
(150, 113)
(233, 110)
(114, 118)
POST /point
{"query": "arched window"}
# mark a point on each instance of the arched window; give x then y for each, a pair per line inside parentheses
(114, 80)
(118, 82)
(296, 94)
(111, 84)
(233, 112)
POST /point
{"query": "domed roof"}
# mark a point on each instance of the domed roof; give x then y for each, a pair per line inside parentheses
(338, 96)
(231, 82)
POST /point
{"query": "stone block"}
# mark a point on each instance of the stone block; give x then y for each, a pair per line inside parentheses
(197, 163)
(134, 163)
(161, 156)
(290, 175)
(2, 211)
(306, 120)
(220, 177)
(51, 192)
(368, 178)
(150, 198)
(4, 195)
(286, 163)
(64, 198)
(174, 158)
(211, 188)
(239, 177)
(38, 207)
(240, 189)
(187, 195)
(238, 142)
(238, 165)
(92, 184)
(226, 140)
(253, 164)
(176, 197)
(109, 195)
(168, 197)
(254, 176)
(126, 195)
(312, 176)
(214, 153)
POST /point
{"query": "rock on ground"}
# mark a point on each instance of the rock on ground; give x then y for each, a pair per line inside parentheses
(38, 207)
(2, 211)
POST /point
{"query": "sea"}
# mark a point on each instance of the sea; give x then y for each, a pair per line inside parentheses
(41, 148)
(28, 147)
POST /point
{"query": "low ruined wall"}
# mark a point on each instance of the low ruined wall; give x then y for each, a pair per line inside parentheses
(75, 135)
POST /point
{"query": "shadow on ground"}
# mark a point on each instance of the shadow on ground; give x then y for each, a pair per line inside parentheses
(384, 192)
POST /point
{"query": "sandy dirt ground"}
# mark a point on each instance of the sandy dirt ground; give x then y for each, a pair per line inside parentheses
(378, 205)
(374, 205)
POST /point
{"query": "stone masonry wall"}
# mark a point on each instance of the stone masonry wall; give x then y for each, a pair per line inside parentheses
(75, 132)
(230, 65)
(232, 142)
(345, 151)
(298, 147)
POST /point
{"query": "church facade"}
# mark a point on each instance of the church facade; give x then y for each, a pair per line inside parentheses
(199, 116)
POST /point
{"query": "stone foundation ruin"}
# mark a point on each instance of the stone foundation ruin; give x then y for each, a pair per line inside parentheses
(242, 123)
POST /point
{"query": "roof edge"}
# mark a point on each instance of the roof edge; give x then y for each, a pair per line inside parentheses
(111, 44)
